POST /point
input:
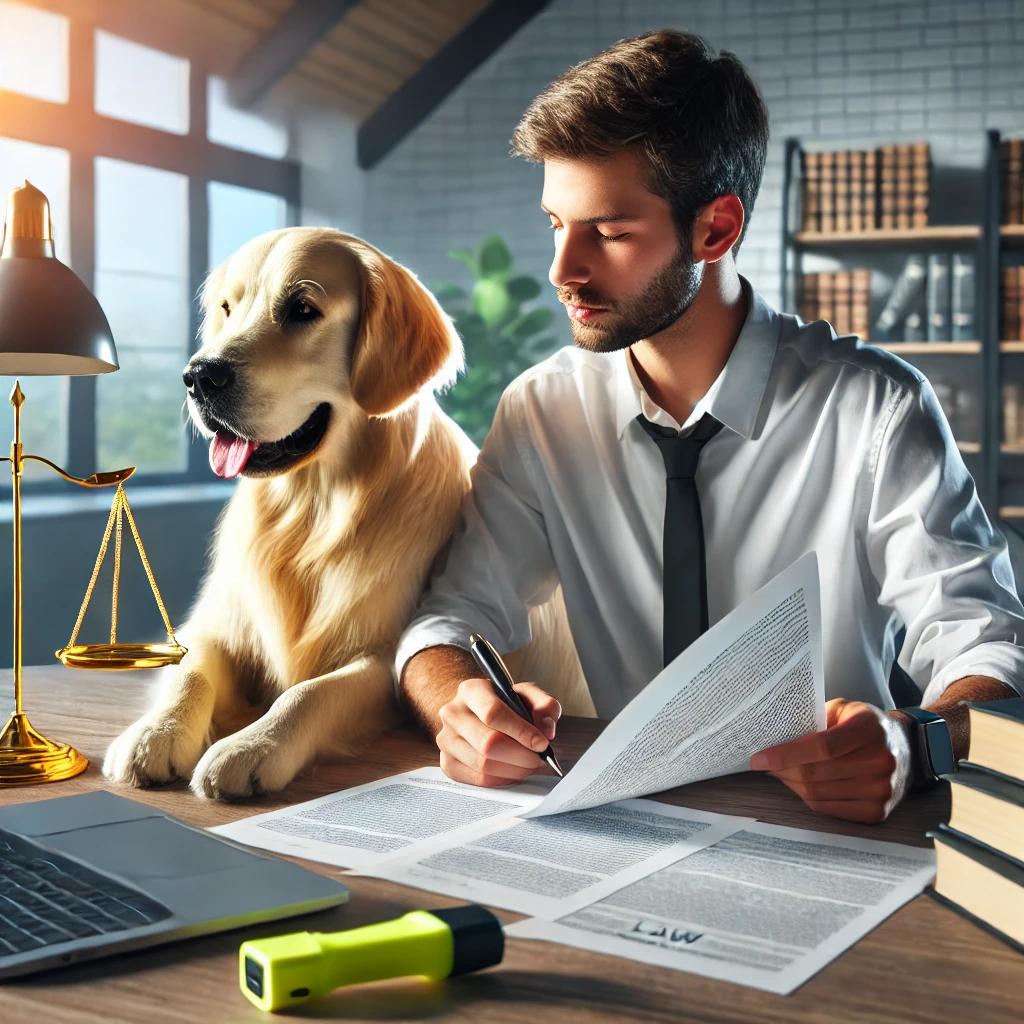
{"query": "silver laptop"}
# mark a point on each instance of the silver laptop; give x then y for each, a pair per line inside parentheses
(87, 876)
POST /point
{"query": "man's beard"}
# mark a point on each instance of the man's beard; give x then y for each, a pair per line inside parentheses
(665, 299)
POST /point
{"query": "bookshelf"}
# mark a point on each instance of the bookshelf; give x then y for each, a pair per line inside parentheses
(998, 469)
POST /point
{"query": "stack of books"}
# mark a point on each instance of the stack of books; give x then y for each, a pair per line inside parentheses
(980, 853)
(841, 298)
(1012, 304)
(860, 190)
(931, 300)
(1011, 156)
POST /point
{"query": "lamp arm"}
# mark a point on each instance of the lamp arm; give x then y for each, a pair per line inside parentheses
(115, 476)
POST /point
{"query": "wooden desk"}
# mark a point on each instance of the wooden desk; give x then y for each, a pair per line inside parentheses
(923, 964)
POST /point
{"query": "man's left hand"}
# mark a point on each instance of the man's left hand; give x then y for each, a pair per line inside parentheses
(853, 769)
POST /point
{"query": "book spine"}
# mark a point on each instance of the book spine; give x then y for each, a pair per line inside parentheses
(1011, 415)
(938, 297)
(1014, 200)
(842, 288)
(827, 192)
(1019, 293)
(860, 304)
(962, 298)
(809, 298)
(1011, 320)
(856, 158)
(842, 204)
(870, 213)
(825, 307)
(811, 196)
(921, 184)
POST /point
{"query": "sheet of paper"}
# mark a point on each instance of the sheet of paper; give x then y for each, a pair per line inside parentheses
(767, 906)
(753, 680)
(554, 865)
(358, 826)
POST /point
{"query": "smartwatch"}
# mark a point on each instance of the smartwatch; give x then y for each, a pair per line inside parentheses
(931, 745)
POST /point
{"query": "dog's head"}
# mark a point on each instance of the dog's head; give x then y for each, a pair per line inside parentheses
(304, 329)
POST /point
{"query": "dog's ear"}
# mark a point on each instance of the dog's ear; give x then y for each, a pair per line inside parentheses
(405, 340)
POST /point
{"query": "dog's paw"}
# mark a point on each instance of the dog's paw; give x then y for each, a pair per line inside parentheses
(246, 764)
(154, 750)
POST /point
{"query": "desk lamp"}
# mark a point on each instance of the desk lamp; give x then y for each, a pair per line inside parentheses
(50, 324)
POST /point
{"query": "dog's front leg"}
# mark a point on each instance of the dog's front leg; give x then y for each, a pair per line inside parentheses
(337, 712)
(169, 739)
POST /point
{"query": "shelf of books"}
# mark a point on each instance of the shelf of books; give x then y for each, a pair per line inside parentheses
(874, 242)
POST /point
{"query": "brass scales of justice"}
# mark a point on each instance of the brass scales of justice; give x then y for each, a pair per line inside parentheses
(51, 324)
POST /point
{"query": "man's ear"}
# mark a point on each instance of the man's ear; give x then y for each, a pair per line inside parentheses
(405, 340)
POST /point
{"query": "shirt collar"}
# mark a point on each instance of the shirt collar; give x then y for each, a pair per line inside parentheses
(735, 397)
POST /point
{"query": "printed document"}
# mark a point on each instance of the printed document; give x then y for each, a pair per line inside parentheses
(361, 825)
(551, 866)
(767, 906)
(753, 680)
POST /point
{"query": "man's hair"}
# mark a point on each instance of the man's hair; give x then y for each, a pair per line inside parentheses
(697, 118)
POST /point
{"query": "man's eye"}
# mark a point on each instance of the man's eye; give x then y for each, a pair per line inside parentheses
(302, 312)
(613, 238)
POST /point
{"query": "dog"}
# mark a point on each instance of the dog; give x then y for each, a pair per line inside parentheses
(316, 339)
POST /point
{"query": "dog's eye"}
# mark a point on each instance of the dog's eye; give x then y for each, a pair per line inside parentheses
(227, 309)
(302, 312)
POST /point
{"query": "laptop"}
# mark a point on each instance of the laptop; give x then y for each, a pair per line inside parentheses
(91, 875)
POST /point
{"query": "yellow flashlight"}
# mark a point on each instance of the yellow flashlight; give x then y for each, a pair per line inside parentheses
(287, 970)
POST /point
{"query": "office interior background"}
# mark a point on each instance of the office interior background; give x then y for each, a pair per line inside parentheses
(166, 135)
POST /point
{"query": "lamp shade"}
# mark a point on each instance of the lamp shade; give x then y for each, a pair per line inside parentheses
(50, 323)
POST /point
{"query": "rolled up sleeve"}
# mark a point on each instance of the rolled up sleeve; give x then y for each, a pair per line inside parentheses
(499, 563)
(937, 559)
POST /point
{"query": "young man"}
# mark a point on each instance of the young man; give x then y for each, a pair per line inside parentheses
(653, 153)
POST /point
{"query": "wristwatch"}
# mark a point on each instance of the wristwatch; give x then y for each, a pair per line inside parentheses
(930, 745)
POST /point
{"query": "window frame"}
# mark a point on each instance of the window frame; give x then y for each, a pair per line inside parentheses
(76, 127)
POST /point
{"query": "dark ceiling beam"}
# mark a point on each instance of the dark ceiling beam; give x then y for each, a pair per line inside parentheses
(304, 24)
(421, 94)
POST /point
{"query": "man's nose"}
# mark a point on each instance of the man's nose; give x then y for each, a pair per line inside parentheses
(570, 266)
(205, 377)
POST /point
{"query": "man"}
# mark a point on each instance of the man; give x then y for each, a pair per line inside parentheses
(653, 153)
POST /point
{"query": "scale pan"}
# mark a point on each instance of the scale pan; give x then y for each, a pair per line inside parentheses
(121, 656)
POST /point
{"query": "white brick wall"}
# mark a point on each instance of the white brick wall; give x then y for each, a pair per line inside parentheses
(838, 73)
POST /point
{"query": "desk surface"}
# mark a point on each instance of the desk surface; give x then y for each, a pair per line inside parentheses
(925, 963)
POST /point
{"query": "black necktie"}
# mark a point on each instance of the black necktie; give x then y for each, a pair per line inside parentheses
(684, 580)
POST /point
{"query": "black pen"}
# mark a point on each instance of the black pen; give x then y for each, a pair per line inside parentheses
(494, 668)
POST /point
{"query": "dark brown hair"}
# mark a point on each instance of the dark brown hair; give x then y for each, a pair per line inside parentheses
(698, 119)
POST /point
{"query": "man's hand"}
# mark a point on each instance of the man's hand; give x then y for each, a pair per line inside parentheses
(485, 743)
(852, 769)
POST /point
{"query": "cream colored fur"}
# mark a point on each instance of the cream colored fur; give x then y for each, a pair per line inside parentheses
(314, 573)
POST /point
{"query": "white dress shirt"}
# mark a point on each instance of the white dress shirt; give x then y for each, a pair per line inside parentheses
(827, 444)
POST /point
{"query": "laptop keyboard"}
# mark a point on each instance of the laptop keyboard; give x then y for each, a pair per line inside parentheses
(46, 898)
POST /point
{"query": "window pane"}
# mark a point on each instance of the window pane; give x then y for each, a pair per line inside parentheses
(238, 128)
(44, 426)
(240, 214)
(142, 284)
(33, 52)
(47, 168)
(139, 84)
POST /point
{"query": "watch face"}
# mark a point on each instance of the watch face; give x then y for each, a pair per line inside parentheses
(940, 749)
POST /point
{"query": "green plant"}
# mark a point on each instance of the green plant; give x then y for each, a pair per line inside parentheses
(501, 339)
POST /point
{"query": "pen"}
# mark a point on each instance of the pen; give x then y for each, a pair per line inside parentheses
(494, 668)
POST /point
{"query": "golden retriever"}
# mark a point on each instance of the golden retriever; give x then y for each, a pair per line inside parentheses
(315, 338)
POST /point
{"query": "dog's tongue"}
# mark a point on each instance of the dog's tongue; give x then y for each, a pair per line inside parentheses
(229, 454)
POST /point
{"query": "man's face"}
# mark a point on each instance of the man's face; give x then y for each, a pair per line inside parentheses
(619, 267)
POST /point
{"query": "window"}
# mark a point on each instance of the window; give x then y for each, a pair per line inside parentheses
(136, 83)
(145, 214)
(238, 128)
(142, 285)
(238, 214)
(33, 52)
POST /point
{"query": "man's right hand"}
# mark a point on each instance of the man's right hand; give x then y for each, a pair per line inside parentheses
(485, 743)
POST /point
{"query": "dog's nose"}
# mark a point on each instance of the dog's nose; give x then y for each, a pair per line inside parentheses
(205, 376)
